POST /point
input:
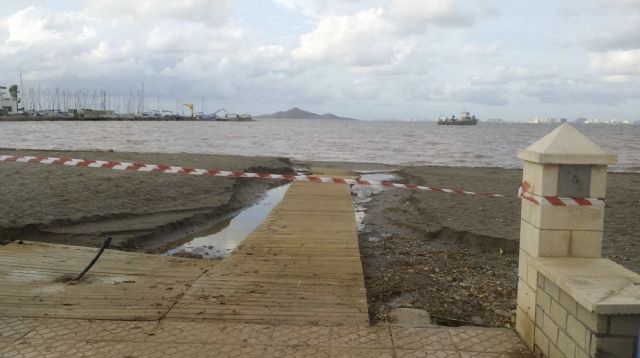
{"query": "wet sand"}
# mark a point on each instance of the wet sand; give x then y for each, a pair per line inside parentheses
(454, 256)
(141, 211)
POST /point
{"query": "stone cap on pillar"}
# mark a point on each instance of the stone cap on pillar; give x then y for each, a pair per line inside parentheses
(599, 285)
(566, 145)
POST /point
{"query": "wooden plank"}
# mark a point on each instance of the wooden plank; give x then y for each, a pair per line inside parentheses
(301, 266)
(122, 285)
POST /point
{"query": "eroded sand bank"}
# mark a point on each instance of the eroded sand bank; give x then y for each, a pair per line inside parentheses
(141, 211)
(454, 256)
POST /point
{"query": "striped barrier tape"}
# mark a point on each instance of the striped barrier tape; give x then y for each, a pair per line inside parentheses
(523, 192)
(555, 201)
(141, 167)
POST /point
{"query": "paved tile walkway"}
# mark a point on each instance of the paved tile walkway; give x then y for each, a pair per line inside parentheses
(20, 337)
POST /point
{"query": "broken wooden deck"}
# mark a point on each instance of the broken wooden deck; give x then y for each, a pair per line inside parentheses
(121, 286)
(301, 266)
(293, 289)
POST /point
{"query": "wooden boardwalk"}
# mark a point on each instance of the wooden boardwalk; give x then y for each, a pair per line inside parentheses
(301, 266)
(122, 285)
(293, 289)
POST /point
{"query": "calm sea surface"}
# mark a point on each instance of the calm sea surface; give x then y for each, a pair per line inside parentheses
(484, 145)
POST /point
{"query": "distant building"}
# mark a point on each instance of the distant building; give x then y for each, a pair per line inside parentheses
(543, 121)
(9, 101)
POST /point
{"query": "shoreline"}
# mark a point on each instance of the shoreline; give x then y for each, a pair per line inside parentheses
(141, 211)
(453, 256)
(326, 163)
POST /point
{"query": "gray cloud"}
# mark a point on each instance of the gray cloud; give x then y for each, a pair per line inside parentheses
(487, 95)
(358, 56)
(211, 13)
(622, 37)
(583, 91)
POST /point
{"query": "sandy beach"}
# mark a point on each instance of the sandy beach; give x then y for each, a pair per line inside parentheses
(454, 256)
(141, 211)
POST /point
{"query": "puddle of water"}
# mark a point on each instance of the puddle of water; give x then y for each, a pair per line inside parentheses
(379, 176)
(223, 238)
(364, 194)
(301, 170)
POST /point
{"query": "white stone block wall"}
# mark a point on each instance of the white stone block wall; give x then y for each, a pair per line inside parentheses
(564, 328)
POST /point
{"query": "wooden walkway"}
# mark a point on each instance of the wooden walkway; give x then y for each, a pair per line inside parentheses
(301, 266)
(293, 289)
(122, 285)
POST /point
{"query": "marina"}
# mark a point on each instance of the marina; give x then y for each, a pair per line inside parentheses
(84, 105)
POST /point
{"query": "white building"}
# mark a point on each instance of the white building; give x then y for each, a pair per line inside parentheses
(8, 102)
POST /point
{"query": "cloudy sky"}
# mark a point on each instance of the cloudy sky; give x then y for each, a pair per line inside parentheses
(369, 59)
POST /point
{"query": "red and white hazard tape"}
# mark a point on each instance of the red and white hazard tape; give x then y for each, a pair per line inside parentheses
(140, 167)
(555, 201)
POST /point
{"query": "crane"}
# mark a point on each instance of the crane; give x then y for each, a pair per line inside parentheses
(215, 114)
(190, 106)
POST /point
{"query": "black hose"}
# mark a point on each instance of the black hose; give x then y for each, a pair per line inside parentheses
(105, 244)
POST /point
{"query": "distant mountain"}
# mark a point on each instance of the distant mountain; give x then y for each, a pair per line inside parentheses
(297, 113)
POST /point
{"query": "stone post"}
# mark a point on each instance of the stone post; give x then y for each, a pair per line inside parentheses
(562, 164)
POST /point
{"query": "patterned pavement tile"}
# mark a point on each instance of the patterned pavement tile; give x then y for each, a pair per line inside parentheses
(248, 351)
(425, 354)
(208, 332)
(495, 355)
(60, 329)
(495, 340)
(423, 339)
(298, 352)
(35, 349)
(5, 342)
(84, 330)
(302, 336)
(157, 350)
(361, 353)
(16, 327)
(361, 337)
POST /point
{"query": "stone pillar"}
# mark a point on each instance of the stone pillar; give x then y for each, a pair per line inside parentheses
(562, 164)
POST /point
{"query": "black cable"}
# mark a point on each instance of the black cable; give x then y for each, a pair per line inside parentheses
(105, 244)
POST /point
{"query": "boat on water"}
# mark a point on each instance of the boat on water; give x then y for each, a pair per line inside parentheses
(232, 117)
(465, 119)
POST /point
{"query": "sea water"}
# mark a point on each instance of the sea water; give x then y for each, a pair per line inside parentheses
(412, 143)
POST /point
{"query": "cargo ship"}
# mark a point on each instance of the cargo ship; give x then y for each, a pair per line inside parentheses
(465, 119)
